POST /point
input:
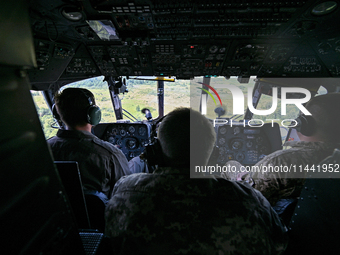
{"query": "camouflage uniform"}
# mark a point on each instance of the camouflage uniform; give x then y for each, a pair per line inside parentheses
(168, 213)
(278, 185)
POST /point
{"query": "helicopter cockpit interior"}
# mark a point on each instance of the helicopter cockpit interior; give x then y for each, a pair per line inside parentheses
(73, 41)
(48, 44)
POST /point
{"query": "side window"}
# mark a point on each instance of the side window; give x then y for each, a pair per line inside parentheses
(292, 111)
(95, 85)
(47, 121)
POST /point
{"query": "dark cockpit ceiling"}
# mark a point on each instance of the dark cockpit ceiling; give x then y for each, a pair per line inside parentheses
(77, 39)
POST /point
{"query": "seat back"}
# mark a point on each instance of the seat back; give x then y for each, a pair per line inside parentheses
(71, 179)
(96, 204)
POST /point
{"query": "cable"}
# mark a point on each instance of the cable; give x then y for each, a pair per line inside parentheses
(127, 117)
(130, 114)
(237, 116)
(57, 36)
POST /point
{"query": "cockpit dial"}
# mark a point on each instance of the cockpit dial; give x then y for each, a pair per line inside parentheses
(223, 130)
(237, 130)
(221, 141)
(142, 131)
(132, 129)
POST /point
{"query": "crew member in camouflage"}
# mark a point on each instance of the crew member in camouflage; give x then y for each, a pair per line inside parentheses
(311, 150)
(167, 212)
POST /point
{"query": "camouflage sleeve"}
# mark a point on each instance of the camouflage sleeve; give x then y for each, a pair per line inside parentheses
(275, 185)
(278, 228)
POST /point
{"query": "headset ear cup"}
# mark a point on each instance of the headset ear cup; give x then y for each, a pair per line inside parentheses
(94, 115)
(55, 113)
(154, 154)
(307, 125)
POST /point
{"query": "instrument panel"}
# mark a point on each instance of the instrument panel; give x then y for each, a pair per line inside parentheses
(128, 137)
(183, 39)
(246, 144)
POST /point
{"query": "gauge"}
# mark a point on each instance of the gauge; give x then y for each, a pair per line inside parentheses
(131, 129)
(221, 141)
(236, 145)
(223, 130)
(119, 142)
(111, 140)
(222, 150)
(240, 157)
(131, 144)
(249, 144)
(237, 130)
(114, 131)
(142, 131)
(122, 132)
(259, 140)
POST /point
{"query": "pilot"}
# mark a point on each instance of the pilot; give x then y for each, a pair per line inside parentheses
(319, 135)
(167, 212)
(101, 164)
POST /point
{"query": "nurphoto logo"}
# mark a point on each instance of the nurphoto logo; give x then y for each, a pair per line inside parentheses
(238, 99)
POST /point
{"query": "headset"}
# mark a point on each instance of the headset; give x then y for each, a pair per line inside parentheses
(153, 152)
(93, 112)
(56, 115)
(306, 125)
